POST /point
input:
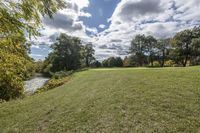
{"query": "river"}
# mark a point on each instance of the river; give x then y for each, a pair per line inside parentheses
(33, 84)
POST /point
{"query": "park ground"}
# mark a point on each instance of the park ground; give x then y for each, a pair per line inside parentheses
(111, 101)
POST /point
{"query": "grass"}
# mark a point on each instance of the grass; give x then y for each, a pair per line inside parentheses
(112, 101)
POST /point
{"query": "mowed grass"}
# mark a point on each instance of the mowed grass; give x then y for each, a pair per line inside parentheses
(112, 101)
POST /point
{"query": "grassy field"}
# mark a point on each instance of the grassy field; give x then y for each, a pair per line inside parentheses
(112, 101)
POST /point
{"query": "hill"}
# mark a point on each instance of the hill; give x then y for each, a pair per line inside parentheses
(112, 101)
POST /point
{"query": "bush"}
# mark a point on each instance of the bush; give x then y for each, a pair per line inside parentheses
(169, 63)
(62, 74)
(15, 66)
(11, 86)
(13, 70)
(156, 64)
(53, 83)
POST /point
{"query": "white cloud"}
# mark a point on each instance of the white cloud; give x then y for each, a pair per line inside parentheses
(93, 30)
(161, 18)
(66, 21)
(102, 26)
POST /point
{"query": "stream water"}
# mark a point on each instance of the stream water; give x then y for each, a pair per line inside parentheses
(33, 84)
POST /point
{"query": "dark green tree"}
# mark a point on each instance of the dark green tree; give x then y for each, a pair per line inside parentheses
(66, 54)
(162, 50)
(150, 45)
(88, 54)
(138, 48)
(182, 43)
(95, 64)
(118, 62)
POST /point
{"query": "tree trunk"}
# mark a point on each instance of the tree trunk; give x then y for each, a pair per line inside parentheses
(185, 62)
(87, 62)
(163, 59)
(151, 60)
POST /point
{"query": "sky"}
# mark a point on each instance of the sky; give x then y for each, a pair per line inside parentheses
(110, 25)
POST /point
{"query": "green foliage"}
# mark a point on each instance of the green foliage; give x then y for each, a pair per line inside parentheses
(62, 74)
(113, 62)
(162, 50)
(186, 45)
(142, 46)
(24, 16)
(17, 20)
(39, 65)
(87, 53)
(183, 48)
(95, 64)
(65, 55)
(13, 70)
(138, 48)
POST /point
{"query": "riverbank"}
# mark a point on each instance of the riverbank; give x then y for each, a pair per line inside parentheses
(36, 82)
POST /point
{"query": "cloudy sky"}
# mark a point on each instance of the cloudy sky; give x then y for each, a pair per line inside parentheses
(111, 24)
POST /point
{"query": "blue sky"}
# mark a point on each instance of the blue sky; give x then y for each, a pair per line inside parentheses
(111, 24)
(100, 11)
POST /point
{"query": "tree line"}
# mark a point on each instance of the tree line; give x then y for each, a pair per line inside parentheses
(181, 50)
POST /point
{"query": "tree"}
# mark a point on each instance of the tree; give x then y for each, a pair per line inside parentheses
(105, 63)
(138, 48)
(111, 62)
(126, 62)
(23, 17)
(162, 47)
(95, 64)
(195, 47)
(118, 62)
(65, 55)
(182, 43)
(150, 44)
(88, 54)
(19, 18)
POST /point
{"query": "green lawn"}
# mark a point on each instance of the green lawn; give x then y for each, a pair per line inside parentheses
(112, 101)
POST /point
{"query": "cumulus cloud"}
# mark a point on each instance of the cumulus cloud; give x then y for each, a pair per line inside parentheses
(67, 21)
(135, 9)
(63, 21)
(161, 18)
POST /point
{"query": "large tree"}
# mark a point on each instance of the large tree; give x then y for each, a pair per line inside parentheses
(66, 53)
(138, 48)
(88, 54)
(150, 44)
(162, 49)
(195, 47)
(182, 43)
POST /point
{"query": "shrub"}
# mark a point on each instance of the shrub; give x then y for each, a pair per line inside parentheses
(62, 74)
(53, 83)
(156, 64)
(169, 63)
(14, 68)
(11, 86)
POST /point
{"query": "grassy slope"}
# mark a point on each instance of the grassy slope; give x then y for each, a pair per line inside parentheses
(122, 100)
